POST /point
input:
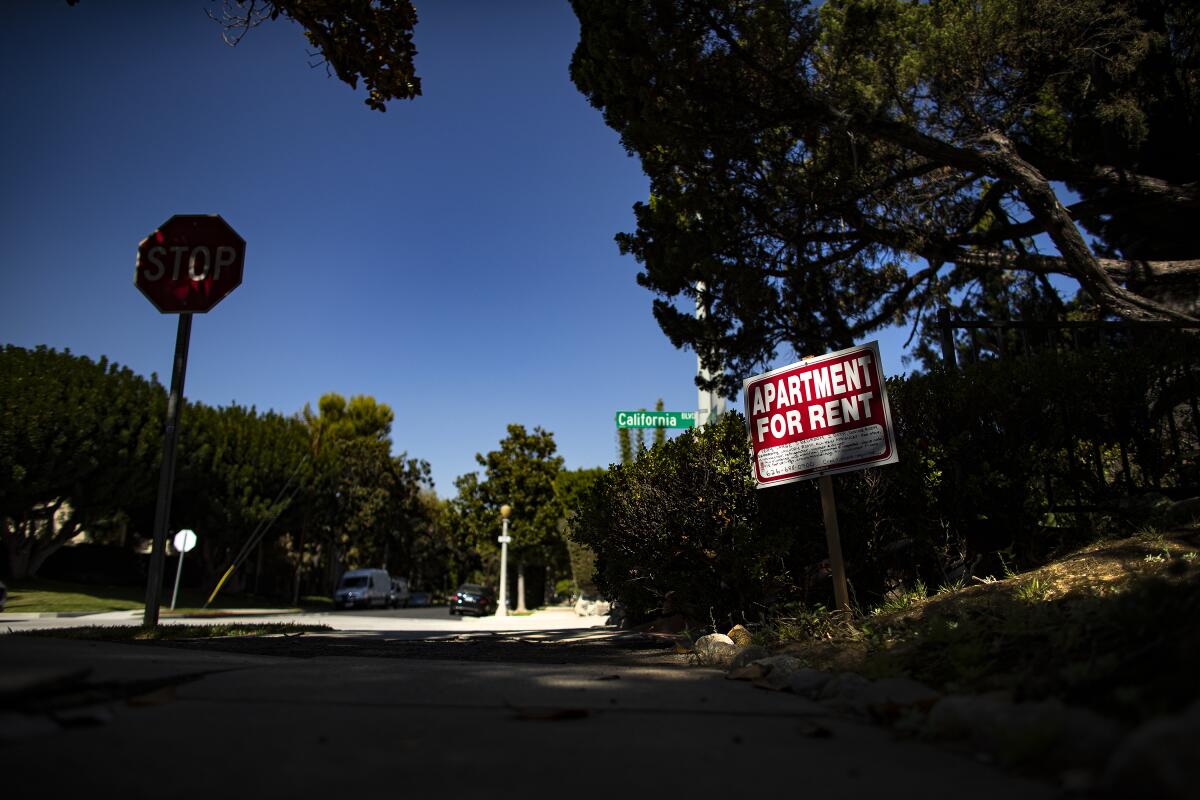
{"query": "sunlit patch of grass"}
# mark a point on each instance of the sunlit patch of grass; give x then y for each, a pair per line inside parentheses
(39, 595)
(1031, 591)
(902, 600)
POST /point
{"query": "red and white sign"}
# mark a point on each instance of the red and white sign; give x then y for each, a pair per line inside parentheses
(190, 263)
(820, 416)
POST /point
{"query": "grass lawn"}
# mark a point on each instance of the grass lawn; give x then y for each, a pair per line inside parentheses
(38, 595)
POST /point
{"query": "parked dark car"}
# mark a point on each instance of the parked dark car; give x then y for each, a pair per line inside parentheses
(471, 598)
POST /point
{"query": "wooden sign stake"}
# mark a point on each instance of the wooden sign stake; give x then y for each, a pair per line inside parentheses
(829, 507)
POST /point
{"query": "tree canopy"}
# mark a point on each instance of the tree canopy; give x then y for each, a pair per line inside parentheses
(80, 450)
(520, 473)
(824, 170)
(80, 442)
(371, 40)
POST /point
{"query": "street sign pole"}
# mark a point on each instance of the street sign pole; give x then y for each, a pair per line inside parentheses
(166, 477)
(184, 540)
(841, 594)
(178, 575)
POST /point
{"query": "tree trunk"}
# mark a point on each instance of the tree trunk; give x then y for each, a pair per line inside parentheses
(299, 567)
(521, 587)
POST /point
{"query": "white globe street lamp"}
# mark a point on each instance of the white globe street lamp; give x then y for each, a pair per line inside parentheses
(502, 605)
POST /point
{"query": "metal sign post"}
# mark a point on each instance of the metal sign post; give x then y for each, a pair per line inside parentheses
(185, 540)
(166, 476)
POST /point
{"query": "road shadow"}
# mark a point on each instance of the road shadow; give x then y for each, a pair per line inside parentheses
(554, 646)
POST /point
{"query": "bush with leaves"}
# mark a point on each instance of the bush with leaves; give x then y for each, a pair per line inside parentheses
(681, 530)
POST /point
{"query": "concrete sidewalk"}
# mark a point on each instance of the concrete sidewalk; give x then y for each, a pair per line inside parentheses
(139, 720)
(554, 618)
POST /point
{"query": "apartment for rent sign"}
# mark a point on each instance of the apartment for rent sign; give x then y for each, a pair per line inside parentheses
(820, 416)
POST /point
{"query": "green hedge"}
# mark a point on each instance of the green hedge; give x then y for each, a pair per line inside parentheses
(683, 530)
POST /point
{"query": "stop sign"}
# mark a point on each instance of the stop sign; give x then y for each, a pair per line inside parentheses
(190, 263)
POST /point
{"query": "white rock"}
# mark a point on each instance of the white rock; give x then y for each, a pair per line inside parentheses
(716, 650)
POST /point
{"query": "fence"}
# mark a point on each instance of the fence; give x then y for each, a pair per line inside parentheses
(1136, 453)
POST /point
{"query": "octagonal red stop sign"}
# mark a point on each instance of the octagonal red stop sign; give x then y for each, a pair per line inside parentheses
(190, 263)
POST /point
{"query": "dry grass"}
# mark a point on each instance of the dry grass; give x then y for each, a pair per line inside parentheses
(1112, 626)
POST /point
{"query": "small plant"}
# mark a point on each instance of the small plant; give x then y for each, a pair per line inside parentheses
(1189, 556)
(1031, 591)
(952, 586)
(902, 599)
(1009, 572)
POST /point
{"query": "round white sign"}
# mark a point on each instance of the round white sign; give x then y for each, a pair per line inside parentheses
(185, 540)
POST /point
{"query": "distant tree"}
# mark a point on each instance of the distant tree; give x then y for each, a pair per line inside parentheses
(436, 558)
(238, 472)
(347, 495)
(521, 474)
(660, 433)
(570, 490)
(625, 449)
(827, 169)
(80, 442)
(370, 40)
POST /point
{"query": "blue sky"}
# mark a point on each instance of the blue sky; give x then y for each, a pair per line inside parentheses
(453, 257)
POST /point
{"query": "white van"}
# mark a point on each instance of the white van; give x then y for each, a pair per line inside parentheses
(365, 588)
(400, 593)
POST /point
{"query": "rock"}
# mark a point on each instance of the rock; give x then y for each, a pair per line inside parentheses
(1045, 734)
(1160, 759)
(808, 682)
(592, 607)
(749, 672)
(843, 690)
(779, 670)
(715, 650)
(740, 636)
(783, 663)
(746, 655)
(890, 699)
(766, 671)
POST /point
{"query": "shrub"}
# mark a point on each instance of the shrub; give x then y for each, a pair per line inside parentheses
(681, 530)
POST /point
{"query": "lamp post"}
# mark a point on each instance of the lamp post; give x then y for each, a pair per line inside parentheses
(502, 605)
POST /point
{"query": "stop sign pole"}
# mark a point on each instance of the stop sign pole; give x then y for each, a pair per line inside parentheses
(186, 266)
(166, 475)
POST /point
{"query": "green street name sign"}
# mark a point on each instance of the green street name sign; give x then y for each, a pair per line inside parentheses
(656, 419)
